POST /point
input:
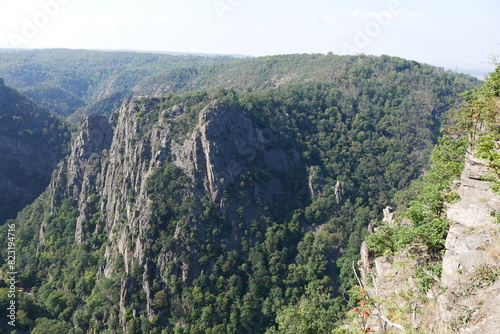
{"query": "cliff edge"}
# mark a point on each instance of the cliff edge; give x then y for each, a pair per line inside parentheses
(471, 262)
(466, 298)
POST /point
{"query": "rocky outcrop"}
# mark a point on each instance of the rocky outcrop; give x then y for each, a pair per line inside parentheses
(106, 176)
(472, 254)
(391, 284)
(465, 299)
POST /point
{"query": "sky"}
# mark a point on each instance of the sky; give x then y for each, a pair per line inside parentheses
(454, 34)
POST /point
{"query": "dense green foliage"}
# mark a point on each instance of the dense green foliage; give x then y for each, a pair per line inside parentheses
(358, 140)
(426, 212)
(474, 125)
(419, 232)
(75, 76)
(88, 74)
(274, 71)
(478, 116)
(61, 80)
(105, 106)
(54, 98)
(32, 141)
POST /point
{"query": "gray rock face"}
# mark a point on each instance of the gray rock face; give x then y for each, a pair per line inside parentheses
(95, 136)
(107, 174)
(473, 225)
(468, 248)
(462, 298)
(388, 215)
(487, 316)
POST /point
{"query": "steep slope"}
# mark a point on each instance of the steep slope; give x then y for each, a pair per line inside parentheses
(105, 106)
(54, 98)
(471, 263)
(157, 209)
(32, 141)
(213, 211)
(445, 282)
(407, 293)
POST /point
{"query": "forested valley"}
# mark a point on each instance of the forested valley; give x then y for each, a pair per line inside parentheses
(207, 194)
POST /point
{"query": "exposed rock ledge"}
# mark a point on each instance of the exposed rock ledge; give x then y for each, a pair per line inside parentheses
(468, 304)
(472, 243)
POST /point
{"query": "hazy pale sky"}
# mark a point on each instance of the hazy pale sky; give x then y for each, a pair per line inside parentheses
(455, 34)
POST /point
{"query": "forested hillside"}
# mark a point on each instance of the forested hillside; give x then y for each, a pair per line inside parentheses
(274, 71)
(75, 83)
(65, 80)
(438, 256)
(32, 142)
(225, 210)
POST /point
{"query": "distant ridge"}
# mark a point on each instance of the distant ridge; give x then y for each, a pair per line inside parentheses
(172, 53)
(479, 71)
(175, 53)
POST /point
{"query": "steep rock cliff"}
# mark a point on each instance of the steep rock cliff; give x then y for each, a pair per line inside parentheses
(465, 298)
(216, 209)
(471, 263)
(107, 174)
